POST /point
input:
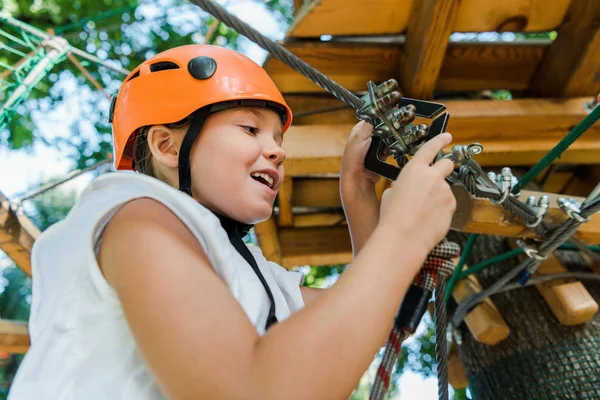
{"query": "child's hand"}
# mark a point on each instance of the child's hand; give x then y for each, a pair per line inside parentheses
(354, 175)
(420, 202)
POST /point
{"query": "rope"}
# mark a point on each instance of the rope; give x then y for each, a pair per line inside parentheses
(441, 345)
(556, 152)
(558, 237)
(461, 262)
(71, 175)
(390, 355)
(436, 267)
(281, 53)
(45, 36)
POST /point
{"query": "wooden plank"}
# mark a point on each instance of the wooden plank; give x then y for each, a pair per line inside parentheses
(485, 321)
(466, 67)
(14, 337)
(285, 205)
(331, 244)
(315, 246)
(351, 65)
(557, 181)
(349, 17)
(583, 181)
(572, 64)
(516, 132)
(570, 302)
(470, 119)
(488, 218)
(456, 372)
(470, 67)
(17, 234)
(320, 219)
(316, 193)
(317, 104)
(427, 37)
(496, 153)
(268, 239)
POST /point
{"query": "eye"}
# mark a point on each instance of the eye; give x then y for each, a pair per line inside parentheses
(251, 129)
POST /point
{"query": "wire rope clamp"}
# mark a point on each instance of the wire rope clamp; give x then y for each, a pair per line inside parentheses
(531, 250)
(540, 209)
(504, 181)
(572, 208)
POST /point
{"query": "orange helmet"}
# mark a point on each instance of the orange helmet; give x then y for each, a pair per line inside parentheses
(187, 79)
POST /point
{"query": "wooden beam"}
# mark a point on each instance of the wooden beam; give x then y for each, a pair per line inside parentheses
(427, 38)
(325, 245)
(485, 321)
(516, 132)
(310, 192)
(268, 239)
(315, 246)
(466, 67)
(490, 219)
(17, 234)
(320, 219)
(384, 17)
(285, 206)
(14, 337)
(571, 66)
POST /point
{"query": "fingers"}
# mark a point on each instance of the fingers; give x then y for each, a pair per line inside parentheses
(429, 150)
(444, 166)
(363, 129)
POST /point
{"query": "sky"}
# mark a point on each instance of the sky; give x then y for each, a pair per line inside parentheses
(23, 170)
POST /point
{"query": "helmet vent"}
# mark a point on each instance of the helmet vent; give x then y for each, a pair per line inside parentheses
(134, 76)
(162, 66)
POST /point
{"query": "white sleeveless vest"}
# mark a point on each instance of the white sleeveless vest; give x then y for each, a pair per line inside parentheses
(82, 348)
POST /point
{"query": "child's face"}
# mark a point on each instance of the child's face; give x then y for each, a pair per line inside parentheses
(232, 147)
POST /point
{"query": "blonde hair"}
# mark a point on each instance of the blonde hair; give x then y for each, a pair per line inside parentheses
(142, 156)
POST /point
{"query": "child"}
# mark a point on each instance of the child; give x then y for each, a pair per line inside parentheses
(148, 292)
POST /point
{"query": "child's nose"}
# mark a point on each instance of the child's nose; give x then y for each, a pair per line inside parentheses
(275, 153)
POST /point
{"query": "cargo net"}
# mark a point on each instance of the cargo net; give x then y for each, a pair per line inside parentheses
(539, 346)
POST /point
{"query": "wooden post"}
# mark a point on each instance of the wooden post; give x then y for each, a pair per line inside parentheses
(17, 234)
(268, 239)
(484, 322)
(572, 64)
(427, 37)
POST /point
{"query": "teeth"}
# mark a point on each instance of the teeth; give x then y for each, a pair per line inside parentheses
(264, 176)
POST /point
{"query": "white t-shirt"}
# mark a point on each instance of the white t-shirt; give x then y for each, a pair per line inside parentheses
(82, 347)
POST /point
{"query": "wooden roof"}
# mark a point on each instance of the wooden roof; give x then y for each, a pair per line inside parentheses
(551, 82)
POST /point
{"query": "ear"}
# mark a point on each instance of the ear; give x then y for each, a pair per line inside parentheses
(164, 144)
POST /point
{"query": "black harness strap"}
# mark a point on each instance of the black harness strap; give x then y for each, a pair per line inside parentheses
(236, 231)
(185, 175)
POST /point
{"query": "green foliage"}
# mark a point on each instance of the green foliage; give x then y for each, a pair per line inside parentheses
(15, 304)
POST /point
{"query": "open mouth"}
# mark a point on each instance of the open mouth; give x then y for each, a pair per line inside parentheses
(263, 178)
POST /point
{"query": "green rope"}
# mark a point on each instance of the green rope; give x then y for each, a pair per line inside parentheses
(14, 38)
(557, 151)
(461, 262)
(495, 260)
(511, 254)
(15, 51)
(7, 66)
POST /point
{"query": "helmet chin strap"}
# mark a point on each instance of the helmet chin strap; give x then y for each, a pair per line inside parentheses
(184, 169)
(235, 230)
